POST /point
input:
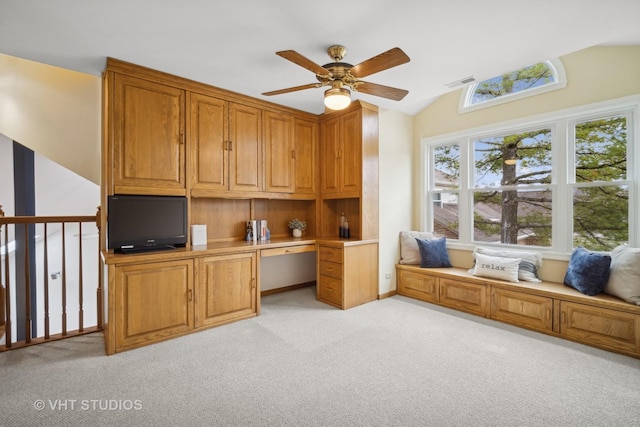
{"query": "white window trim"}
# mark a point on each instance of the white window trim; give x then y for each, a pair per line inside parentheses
(560, 122)
(560, 81)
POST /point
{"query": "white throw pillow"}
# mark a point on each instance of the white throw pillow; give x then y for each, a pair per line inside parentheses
(409, 252)
(529, 264)
(496, 267)
(624, 275)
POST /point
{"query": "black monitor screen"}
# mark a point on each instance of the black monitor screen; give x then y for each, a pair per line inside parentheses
(146, 221)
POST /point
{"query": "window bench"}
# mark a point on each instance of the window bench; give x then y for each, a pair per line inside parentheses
(601, 321)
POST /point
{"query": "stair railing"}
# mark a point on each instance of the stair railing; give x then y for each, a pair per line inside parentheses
(28, 239)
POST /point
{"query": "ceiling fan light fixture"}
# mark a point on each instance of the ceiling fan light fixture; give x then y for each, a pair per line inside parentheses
(337, 98)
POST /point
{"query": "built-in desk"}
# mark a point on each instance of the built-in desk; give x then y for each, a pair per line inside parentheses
(156, 296)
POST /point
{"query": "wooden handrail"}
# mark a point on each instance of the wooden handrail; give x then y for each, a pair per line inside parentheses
(6, 271)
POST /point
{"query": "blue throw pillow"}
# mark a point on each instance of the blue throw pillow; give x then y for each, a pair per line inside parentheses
(588, 272)
(433, 253)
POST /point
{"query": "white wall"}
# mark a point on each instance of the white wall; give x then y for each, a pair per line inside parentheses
(396, 173)
(286, 270)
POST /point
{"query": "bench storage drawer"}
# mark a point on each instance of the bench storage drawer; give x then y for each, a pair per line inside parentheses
(601, 327)
(463, 296)
(419, 286)
(522, 309)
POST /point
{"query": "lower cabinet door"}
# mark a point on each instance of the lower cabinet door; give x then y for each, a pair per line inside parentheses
(600, 327)
(464, 296)
(153, 302)
(418, 286)
(227, 290)
(521, 309)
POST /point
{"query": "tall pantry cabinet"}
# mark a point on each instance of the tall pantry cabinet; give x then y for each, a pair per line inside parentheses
(347, 268)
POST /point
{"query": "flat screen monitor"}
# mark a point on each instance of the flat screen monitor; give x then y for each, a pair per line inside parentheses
(143, 223)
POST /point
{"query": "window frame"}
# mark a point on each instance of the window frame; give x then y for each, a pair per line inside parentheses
(560, 81)
(562, 125)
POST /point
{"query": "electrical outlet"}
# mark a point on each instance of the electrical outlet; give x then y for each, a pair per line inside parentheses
(387, 275)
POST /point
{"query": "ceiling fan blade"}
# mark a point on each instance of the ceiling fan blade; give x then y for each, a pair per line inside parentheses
(296, 58)
(292, 89)
(389, 59)
(388, 92)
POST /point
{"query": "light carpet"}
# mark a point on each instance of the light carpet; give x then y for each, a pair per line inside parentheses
(393, 362)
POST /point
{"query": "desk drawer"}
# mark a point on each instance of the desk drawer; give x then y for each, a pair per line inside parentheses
(287, 250)
(332, 269)
(330, 290)
(329, 253)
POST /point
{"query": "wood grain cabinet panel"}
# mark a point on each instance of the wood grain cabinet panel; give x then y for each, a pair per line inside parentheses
(347, 276)
(608, 329)
(245, 149)
(419, 286)
(208, 133)
(227, 289)
(341, 155)
(463, 296)
(148, 137)
(522, 309)
(153, 302)
(279, 152)
(305, 146)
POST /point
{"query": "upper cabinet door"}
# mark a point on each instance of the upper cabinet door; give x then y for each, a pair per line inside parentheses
(279, 152)
(305, 136)
(148, 137)
(330, 167)
(351, 153)
(341, 155)
(208, 138)
(245, 148)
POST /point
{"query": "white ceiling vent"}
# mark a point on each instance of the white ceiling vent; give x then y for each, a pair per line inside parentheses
(461, 82)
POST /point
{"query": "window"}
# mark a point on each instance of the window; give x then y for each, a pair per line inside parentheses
(518, 84)
(600, 190)
(554, 183)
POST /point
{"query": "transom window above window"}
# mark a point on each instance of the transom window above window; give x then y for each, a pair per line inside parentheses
(528, 81)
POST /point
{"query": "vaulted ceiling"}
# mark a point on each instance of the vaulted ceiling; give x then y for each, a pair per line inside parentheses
(232, 44)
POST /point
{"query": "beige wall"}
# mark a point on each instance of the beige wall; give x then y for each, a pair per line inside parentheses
(593, 75)
(54, 112)
(395, 191)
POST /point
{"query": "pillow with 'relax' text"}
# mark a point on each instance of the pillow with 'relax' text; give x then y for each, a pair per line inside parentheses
(496, 267)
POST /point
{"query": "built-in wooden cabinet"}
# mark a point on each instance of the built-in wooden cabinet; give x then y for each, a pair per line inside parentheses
(347, 273)
(153, 302)
(341, 155)
(235, 158)
(226, 145)
(349, 171)
(601, 321)
(147, 136)
(227, 288)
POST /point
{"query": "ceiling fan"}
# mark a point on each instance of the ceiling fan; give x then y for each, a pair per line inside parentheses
(343, 77)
